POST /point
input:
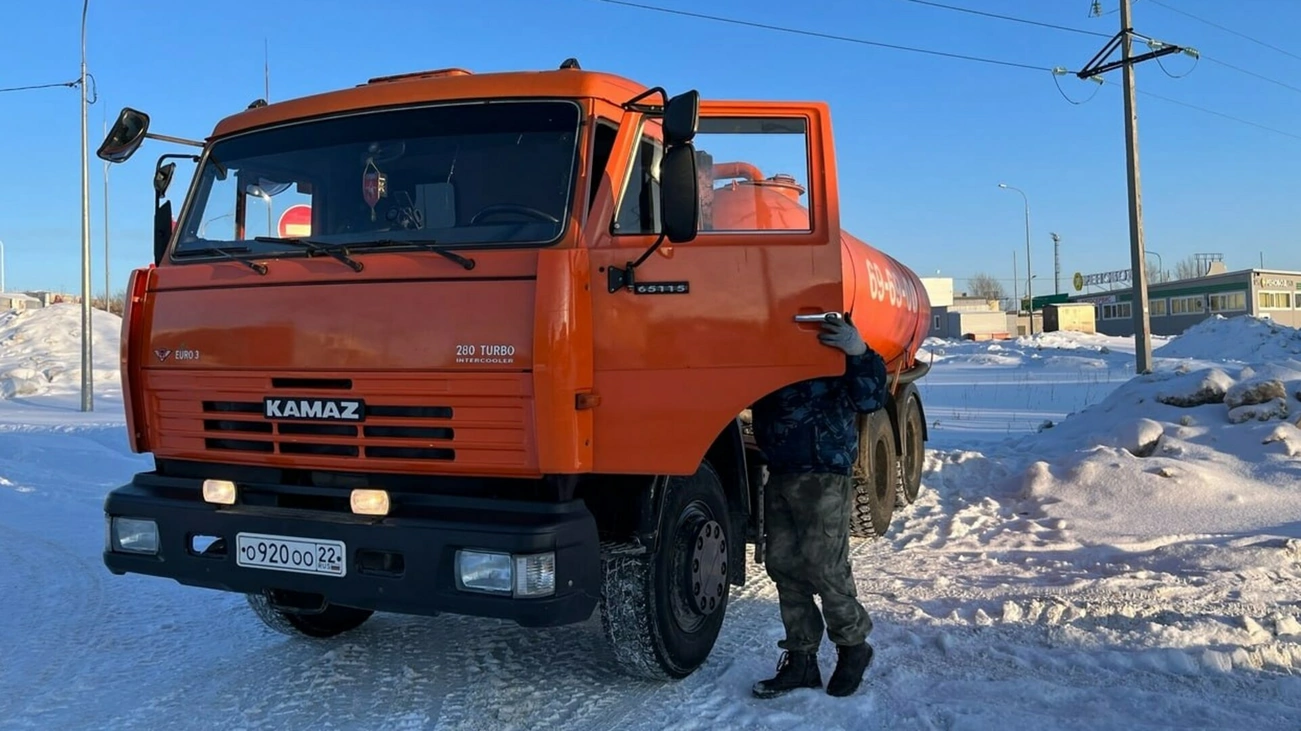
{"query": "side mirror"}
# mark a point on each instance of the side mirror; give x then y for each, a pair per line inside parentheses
(681, 118)
(125, 137)
(679, 194)
(162, 230)
(163, 179)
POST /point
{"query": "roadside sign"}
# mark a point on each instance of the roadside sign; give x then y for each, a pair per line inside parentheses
(296, 221)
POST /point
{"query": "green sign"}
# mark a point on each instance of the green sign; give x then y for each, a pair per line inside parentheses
(1047, 299)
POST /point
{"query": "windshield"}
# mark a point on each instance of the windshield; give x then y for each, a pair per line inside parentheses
(459, 174)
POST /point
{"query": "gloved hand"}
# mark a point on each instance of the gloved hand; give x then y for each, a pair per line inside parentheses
(841, 333)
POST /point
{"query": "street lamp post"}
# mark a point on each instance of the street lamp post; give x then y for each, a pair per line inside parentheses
(1029, 288)
(87, 370)
(1159, 264)
(2, 267)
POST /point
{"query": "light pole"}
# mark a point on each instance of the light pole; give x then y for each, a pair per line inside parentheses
(1159, 265)
(87, 370)
(1029, 288)
(108, 280)
(2, 267)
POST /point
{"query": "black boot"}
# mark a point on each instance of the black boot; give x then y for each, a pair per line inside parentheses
(850, 666)
(794, 670)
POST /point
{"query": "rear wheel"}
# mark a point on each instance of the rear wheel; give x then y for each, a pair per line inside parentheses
(330, 621)
(913, 448)
(876, 476)
(662, 612)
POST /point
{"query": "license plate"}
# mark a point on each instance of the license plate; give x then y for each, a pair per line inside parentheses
(288, 553)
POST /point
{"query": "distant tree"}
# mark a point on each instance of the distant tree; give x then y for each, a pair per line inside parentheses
(985, 285)
(1156, 275)
(1187, 268)
(115, 304)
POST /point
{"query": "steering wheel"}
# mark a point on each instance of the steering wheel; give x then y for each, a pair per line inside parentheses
(513, 208)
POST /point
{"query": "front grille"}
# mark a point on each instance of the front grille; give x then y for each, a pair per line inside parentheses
(399, 440)
(450, 422)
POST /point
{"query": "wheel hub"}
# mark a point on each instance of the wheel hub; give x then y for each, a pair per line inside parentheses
(707, 570)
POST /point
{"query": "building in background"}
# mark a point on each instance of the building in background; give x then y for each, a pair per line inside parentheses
(18, 301)
(1177, 305)
(963, 316)
(1080, 317)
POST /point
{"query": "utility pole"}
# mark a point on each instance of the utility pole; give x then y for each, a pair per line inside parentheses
(1138, 260)
(1029, 277)
(1016, 289)
(108, 279)
(87, 360)
(1057, 263)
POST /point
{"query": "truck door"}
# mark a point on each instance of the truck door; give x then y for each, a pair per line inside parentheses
(710, 326)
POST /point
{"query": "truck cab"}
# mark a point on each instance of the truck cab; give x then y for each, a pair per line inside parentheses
(473, 343)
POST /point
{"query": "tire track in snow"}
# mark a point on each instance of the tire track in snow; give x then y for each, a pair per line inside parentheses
(47, 580)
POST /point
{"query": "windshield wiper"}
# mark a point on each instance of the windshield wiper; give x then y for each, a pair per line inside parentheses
(228, 252)
(426, 245)
(338, 252)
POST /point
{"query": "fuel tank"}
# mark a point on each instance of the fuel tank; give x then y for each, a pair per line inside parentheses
(884, 298)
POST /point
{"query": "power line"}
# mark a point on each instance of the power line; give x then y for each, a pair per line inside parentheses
(1013, 19)
(827, 36)
(1081, 31)
(860, 41)
(70, 84)
(1225, 29)
(1262, 77)
(1229, 117)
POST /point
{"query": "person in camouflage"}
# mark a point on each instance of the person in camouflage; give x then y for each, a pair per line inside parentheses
(808, 433)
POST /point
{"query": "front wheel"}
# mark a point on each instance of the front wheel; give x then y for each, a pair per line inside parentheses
(332, 620)
(662, 612)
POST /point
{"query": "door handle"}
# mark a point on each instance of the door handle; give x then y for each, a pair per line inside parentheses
(819, 317)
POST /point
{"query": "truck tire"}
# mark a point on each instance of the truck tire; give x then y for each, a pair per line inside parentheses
(334, 620)
(913, 450)
(661, 612)
(875, 477)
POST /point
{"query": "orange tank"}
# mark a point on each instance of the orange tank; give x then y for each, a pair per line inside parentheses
(885, 299)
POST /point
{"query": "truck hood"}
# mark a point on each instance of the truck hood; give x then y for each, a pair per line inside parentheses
(343, 322)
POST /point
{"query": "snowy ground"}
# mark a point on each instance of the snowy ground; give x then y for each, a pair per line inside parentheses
(1048, 579)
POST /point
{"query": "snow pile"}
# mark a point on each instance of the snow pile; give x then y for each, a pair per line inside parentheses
(1242, 339)
(1163, 518)
(40, 350)
(1173, 454)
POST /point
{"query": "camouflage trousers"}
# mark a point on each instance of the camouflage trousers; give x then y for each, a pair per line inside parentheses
(807, 519)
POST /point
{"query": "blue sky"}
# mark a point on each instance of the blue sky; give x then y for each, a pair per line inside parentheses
(922, 141)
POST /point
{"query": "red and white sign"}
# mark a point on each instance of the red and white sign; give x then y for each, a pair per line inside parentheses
(296, 221)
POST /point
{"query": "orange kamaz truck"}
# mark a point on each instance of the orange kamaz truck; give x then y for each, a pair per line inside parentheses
(485, 344)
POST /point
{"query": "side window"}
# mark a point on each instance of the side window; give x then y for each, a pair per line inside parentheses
(639, 208)
(602, 146)
(754, 174)
(217, 221)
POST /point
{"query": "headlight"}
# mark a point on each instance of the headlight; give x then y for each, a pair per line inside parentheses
(135, 535)
(531, 575)
(480, 571)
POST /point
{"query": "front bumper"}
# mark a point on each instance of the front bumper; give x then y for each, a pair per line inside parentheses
(426, 535)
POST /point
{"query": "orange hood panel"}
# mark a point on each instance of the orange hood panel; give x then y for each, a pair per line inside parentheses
(341, 324)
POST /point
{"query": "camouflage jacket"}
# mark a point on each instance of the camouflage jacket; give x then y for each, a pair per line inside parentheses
(812, 426)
